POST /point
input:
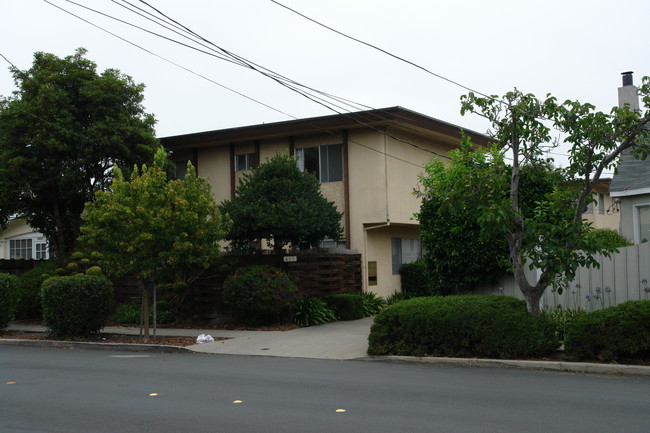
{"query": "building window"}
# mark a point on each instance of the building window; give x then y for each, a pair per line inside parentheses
(245, 161)
(325, 162)
(41, 251)
(643, 224)
(405, 251)
(180, 170)
(20, 249)
(601, 204)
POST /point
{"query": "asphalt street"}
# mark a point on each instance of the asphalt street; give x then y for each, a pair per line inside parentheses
(62, 390)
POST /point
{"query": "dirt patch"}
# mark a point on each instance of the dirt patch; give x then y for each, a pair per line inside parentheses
(106, 338)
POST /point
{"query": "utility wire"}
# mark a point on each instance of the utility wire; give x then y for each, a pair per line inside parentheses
(384, 51)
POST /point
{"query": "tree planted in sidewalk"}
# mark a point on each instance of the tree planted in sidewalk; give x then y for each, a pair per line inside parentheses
(555, 238)
(156, 229)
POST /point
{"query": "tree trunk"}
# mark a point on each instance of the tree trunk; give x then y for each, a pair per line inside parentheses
(145, 308)
(59, 238)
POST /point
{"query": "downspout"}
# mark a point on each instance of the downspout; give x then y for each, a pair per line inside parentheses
(386, 172)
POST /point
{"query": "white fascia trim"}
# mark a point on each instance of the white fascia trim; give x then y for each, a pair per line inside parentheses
(629, 192)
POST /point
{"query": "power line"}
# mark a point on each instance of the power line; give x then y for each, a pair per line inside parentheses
(384, 51)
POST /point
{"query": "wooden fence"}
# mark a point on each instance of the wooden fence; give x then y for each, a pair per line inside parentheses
(622, 277)
(316, 275)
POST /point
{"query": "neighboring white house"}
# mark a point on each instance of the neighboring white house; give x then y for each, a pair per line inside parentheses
(630, 186)
(20, 241)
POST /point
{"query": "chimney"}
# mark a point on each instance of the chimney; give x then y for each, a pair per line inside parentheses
(627, 95)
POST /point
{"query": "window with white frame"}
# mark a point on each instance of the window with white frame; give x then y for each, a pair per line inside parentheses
(20, 249)
(325, 161)
(405, 250)
(41, 251)
(245, 161)
(642, 226)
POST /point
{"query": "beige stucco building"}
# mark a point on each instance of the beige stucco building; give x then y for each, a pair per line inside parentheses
(368, 164)
(604, 213)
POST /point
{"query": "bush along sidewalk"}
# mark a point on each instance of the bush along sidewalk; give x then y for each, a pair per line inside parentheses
(462, 326)
(615, 333)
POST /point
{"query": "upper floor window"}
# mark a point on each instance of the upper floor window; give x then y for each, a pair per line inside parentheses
(325, 162)
(180, 169)
(245, 161)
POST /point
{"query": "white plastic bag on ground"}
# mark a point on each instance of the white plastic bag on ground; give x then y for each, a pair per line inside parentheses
(204, 339)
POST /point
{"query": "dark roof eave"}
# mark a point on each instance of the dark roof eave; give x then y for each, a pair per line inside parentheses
(395, 116)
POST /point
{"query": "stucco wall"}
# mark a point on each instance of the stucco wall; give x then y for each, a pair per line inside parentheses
(15, 228)
(628, 211)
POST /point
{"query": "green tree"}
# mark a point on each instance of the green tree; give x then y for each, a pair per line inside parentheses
(555, 238)
(460, 255)
(156, 229)
(281, 204)
(60, 134)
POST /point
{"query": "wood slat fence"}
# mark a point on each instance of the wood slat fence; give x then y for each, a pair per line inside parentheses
(622, 277)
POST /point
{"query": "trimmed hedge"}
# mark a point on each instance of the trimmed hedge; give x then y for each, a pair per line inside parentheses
(415, 279)
(8, 295)
(29, 290)
(260, 295)
(611, 334)
(461, 326)
(76, 306)
(346, 306)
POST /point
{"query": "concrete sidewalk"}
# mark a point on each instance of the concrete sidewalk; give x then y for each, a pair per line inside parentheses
(338, 340)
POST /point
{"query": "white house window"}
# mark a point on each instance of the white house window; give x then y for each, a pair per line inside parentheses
(244, 161)
(405, 250)
(41, 251)
(325, 162)
(642, 226)
(601, 204)
(20, 249)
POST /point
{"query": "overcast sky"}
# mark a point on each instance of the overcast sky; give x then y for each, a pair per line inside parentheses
(574, 49)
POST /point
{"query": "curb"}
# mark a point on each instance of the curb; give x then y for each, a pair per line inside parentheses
(576, 367)
(95, 346)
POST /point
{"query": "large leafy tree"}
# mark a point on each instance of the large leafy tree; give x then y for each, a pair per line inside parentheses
(60, 134)
(555, 239)
(460, 255)
(281, 204)
(155, 229)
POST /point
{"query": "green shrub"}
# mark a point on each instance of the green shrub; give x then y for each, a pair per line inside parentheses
(94, 270)
(415, 279)
(397, 297)
(562, 318)
(611, 334)
(260, 295)
(461, 326)
(609, 238)
(8, 295)
(77, 305)
(372, 304)
(29, 290)
(346, 306)
(312, 312)
(130, 313)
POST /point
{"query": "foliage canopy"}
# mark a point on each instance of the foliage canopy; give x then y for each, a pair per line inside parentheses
(281, 204)
(156, 229)
(554, 238)
(60, 134)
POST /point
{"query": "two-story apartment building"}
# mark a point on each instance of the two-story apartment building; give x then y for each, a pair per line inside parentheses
(368, 163)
